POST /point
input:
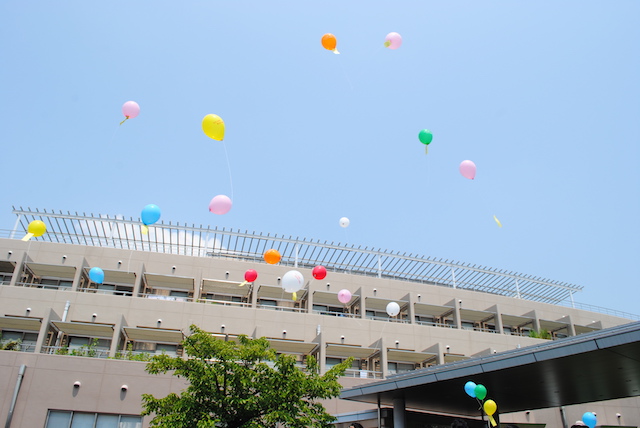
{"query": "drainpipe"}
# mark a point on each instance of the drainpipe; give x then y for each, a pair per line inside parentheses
(563, 417)
(64, 318)
(23, 367)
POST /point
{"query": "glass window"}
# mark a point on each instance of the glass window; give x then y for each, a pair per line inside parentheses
(107, 421)
(130, 422)
(58, 419)
(83, 420)
(76, 342)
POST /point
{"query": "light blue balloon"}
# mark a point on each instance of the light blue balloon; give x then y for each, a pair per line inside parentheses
(589, 419)
(470, 389)
(150, 214)
(96, 275)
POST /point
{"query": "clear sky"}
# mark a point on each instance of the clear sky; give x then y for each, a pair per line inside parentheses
(544, 97)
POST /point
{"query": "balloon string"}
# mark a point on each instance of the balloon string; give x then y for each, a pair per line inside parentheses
(125, 119)
(229, 167)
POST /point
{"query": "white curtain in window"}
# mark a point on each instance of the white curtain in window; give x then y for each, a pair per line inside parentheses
(130, 422)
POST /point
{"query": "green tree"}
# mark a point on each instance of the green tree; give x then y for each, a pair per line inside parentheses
(243, 384)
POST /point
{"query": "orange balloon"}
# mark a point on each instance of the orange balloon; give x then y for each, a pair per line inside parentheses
(329, 42)
(272, 256)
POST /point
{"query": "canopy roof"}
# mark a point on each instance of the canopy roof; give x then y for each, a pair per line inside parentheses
(597, 366)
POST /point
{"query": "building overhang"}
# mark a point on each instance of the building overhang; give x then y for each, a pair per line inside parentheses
(150, 334)
(168, 282)
(84, 329)
(116, 277)
(18, 323)
(42, 270)
(598, 366)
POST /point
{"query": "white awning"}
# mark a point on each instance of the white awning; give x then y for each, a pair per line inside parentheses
(475, 316)
(85, 329)
(169, 282)
(52, 271)
(292, 346)
(515, 320)
(117, 277)
(20, 323)
(277, 293)
(552, 326)
(150, 334)
(435, 311)
(408, 356)
(379, 304)
(331, 298)
(232, 288)
(359, 352)
(450, 358)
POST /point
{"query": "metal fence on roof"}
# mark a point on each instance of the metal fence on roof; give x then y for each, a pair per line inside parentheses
(118, 232)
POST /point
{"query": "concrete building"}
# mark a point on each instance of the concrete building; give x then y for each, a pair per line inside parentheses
(78, 338)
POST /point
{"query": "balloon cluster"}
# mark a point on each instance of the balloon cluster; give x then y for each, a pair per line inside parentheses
(479, 392)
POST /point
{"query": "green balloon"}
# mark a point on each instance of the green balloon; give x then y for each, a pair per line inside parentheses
(481, 392)
(425, 136)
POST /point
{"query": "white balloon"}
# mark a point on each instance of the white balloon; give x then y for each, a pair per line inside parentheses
(393, 309)
(344, 222)
(292, 281)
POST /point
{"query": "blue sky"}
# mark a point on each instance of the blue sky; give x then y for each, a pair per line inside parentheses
(543, 96)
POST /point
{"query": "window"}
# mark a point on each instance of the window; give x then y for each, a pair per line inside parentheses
(400, 367)
(68, 419)
(156, 348)
(27, 340)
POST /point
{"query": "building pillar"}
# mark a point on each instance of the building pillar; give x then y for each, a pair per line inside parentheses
(197, 286)
(78, 276)
(384, 362)
(115, 339)
(398, 412)
(254, 295)
(137, 287)
(44, 329)
(411, 313)
(498, 320)
(322, 354)
(363, 305)
(571, 329)
(456, 314)
(17, 271)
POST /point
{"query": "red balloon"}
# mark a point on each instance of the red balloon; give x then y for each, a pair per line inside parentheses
(319, 272)
(250, 275)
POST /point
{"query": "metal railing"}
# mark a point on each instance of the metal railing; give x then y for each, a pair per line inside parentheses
(280, 308)
(81, 351)
(334, 314)
(362, 374)
(118, 232)
(225, 303)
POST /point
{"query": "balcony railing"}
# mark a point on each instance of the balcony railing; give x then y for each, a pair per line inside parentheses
(77, 352)
(435, 324)
(362, 374)
(225, 303)
(281, 308)
(335, 314)
(388, 319)
(44, 286)
(103, 291)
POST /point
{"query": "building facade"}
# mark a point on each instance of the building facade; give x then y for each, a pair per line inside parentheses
(82, 345)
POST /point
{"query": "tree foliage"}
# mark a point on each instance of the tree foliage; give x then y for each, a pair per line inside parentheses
(243, 384)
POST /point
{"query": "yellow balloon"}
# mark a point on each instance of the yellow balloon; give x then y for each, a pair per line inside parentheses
(490, 407)
(213, 127)
(37, 228)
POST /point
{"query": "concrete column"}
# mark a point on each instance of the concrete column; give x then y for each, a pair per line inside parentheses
(17, 271)
(44, 329)
(322, 354)
(498, 320)
(78, 276)
(138, 284)
(254, 295)
(363, 305)
(115, 339)
(197, 286)
(456, 314)
(536, 321)
(398, 412)
(384, 362)
(571, 329)
(411, 310)
(310, 299)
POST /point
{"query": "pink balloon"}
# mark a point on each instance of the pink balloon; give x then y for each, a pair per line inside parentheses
(468, 169)
(393, 40)
(220, 204)
(130, 109)
(344, 296)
